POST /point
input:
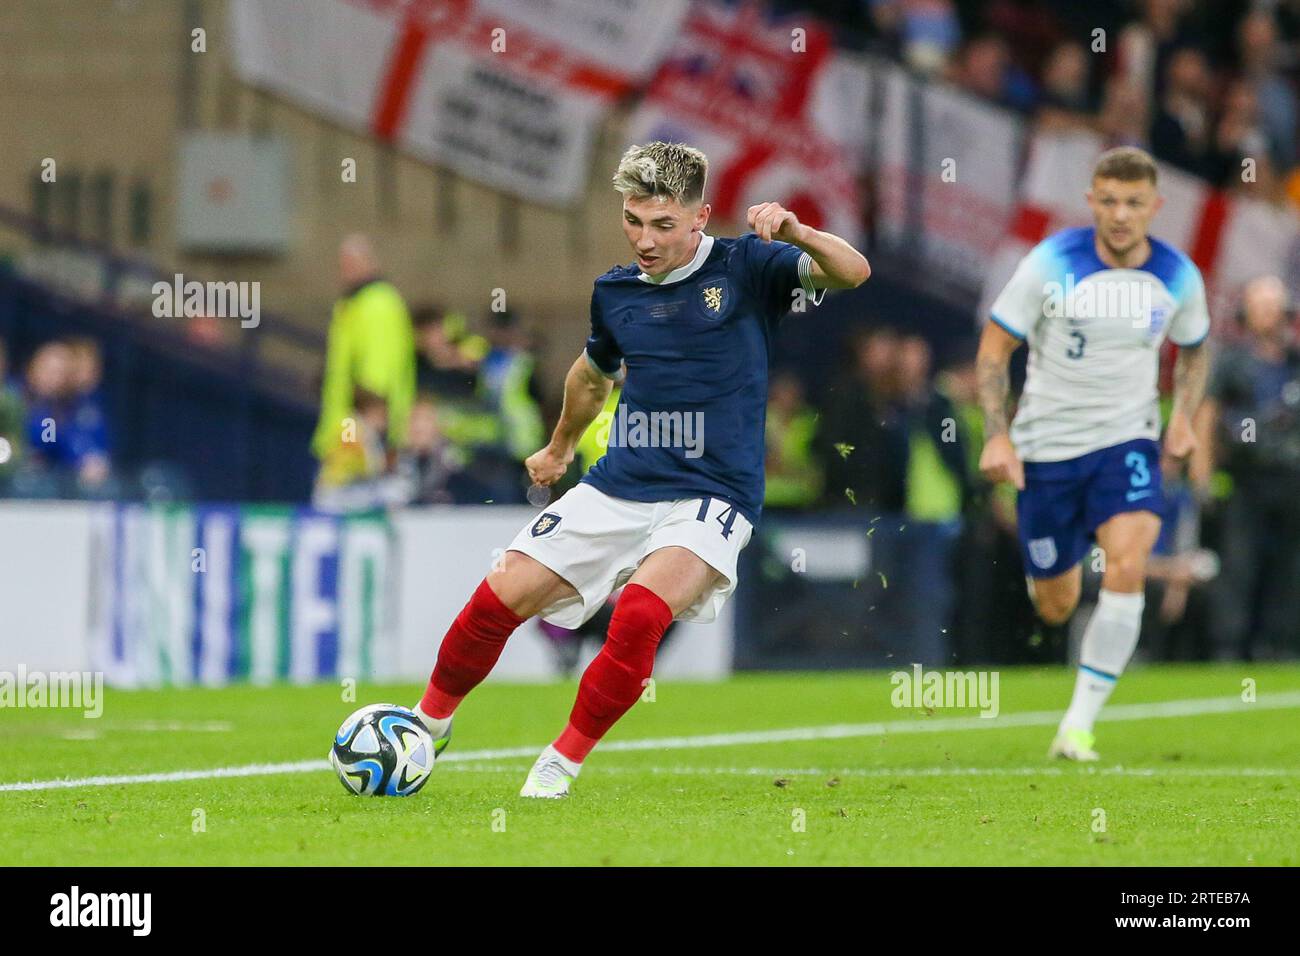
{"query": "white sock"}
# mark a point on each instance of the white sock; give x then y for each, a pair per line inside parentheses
(1108, 643)
(437, 726)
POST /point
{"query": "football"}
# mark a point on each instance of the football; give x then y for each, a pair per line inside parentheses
(383, 751)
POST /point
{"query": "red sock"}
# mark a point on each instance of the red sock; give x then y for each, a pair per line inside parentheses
(469, 651)
(615, 679)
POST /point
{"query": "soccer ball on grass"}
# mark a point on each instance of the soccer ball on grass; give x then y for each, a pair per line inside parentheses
(383, 750)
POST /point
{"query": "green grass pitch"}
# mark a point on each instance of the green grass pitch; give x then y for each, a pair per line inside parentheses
(1208, 781)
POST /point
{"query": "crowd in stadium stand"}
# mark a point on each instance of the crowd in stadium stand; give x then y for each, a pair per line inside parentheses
(1202, 86)
(1252, 419)
(54, 431)
(417, 408)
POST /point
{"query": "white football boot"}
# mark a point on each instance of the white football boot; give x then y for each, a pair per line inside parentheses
(439, 730)
(1074, 744)
(550, 776)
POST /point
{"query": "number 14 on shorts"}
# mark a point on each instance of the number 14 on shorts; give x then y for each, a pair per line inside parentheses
(725, 514)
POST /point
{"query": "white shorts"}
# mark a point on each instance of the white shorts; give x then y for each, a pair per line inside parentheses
(596, 542)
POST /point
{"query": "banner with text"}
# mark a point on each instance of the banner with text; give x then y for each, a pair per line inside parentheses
(505, 92)
(213, 594)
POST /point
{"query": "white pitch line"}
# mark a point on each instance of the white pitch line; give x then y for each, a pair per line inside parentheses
(97, 728)
(173, 726)
(1074, 770)
(1038, 718)
(247, 770)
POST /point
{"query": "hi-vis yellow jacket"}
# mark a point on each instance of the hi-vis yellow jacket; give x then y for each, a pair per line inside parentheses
(371, 345)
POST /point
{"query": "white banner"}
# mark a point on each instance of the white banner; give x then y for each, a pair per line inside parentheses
(45, 597)
(626, 37)
(946, 183)
(501, 129)
(507, 92)
(967, 175)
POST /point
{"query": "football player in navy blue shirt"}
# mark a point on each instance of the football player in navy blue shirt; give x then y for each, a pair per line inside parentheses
(688, 329)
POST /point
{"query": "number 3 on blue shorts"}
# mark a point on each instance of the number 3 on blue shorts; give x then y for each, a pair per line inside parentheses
(1139, 472)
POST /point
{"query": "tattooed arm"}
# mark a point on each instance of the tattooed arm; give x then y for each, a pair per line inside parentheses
(999, 461)
(1191, 371)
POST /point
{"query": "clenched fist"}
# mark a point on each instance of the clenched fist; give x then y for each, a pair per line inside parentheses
(548, 466)
(771, 220)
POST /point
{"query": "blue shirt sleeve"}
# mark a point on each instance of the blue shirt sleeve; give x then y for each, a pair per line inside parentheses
(602, 350)
(772, 272)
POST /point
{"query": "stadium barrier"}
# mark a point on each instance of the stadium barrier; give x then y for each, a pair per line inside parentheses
(174, 595)
(847, 589)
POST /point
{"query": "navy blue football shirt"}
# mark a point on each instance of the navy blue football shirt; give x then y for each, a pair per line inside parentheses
(690, 420)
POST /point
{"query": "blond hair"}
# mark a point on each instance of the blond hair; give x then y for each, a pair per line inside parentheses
(669, 170)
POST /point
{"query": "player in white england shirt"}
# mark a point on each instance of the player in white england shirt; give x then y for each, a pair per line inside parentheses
(1094, 306)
